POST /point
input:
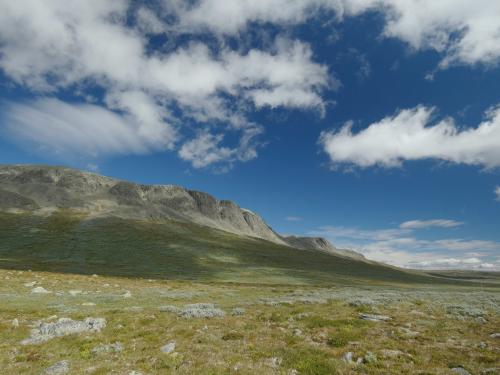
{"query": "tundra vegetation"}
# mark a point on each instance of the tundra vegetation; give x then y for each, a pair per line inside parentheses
(112, 296)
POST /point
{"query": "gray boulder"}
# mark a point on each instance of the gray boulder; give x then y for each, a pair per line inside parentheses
(63, 327)
(59, 368)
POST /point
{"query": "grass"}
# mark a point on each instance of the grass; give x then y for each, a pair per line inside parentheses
(247, 342)
(68, 243)
(298, 311)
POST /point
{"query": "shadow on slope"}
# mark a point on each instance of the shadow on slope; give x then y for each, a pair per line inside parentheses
(67, 243)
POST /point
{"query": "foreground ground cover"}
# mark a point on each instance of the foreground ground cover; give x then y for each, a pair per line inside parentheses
(183, 327)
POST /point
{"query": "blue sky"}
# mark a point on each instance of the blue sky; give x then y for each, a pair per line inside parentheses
(374, 123)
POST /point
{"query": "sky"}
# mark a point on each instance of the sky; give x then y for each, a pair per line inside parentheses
(373, 123)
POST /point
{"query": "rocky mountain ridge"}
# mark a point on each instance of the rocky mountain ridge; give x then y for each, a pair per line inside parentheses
(43, 189)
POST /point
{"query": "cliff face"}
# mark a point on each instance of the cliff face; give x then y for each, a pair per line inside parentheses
(40, 188)
(43, 189)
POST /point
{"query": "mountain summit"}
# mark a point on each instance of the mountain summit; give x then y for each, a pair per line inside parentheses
(44, 189)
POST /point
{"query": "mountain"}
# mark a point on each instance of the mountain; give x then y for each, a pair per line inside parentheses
(320, 244)
(64, 220)
(44, 189)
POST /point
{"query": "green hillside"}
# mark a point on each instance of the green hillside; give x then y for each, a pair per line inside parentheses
(65, 242)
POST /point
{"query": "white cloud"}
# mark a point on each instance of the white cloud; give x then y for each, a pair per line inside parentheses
(293, 218)
(421, 224)
(497, 192)
(229, 17)
(409, 136)
(205, 149)
(401, 247)
(88, 44)
(85, 129)
(462, 31)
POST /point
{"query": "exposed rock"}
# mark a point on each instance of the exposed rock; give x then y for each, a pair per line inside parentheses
(238, 311)
(460, 371)
(40, 290)
(275, 362)
(391, 353)
(297, 332)
(30, 187)
(74, 292)
(196, 310)
(108, 348)
(168, 348)
(30, 284)
(59, 368)
(348, 357)
(320, 244)
(495, 335)
(64, 326)
(127, 294)
(374, 318)
(15, 323)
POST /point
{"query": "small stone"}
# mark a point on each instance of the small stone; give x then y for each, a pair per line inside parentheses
(495, 335)
(59, 368)
(297, 332)
(127, 294)
(460, 371)
(88, 304)
(348, 357)
(237, 311)
(108, 348)
(15, 323)
(169, 348)
(31, 284)
(275, 362)
(360, 361)
(390, 353)
(74, 293)
(40, 290)
(374, 318)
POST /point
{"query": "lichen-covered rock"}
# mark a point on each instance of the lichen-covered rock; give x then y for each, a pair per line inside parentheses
(63, 327)
(59, 368)
(168, 348)
(374, 318)
(116, 347)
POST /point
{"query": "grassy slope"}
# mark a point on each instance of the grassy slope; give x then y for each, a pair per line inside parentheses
(173, 250)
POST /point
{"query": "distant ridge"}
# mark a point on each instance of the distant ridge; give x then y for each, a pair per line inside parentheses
(44, 189)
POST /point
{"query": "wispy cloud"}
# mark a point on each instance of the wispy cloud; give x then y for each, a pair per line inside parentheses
(421, 224)
(293, 218)
(497, 192)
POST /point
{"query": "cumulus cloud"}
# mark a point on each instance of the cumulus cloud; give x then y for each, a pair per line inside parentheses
(421, 224)
(410, 135)
(462, 31)
(402, 247)
(91, 46)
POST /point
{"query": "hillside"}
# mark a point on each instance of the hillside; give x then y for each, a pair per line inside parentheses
(43, 189)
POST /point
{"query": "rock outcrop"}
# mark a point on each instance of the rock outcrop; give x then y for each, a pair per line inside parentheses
(320, 244)
(44, 189)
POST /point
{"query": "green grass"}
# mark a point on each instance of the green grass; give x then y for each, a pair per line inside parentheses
(68, 243)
